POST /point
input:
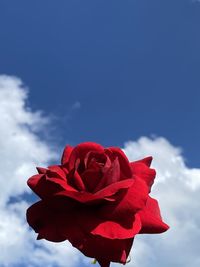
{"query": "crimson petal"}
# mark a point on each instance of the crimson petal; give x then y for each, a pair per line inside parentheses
(106, 193)
(45, 187)
(141, 169)
(130, 202)
(147, 161)
(114, 230)
(66, 154)
(54, 219)
(111, 175)
(123, 160)
(81, 150)
(151, 218)
(106, 250)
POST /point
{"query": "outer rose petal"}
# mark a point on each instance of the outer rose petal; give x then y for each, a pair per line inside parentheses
(41, 170)
(140, 168)
(114, 230)
(49, 183)
(91, 222)
(105, 250)
(41, 187)
(151, 219)
(80, 151)
(54, 220)
(130, 202)
(66, 154)
(147, 161)
(44, 222)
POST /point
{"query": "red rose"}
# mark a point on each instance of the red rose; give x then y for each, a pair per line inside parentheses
(97, 200)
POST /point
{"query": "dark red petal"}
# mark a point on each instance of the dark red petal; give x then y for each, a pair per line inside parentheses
(105, 194)
(66, 154)
(106, 250)
(104, 263)
(81, 150)
(54, 219)
(91, 178)
(99, 157)
(38, 184)
(111, 175)
(114, 188)
(129, 202)
(151, 218)
(91, 222)
(123, 160)
(75, 180)
(56, 171)
(140, 169)
(114, 230)
(45, 187)
(41, 170)
(44, 222)
(147, 161)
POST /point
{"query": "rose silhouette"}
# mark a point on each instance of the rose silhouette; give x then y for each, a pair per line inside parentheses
(97, 200)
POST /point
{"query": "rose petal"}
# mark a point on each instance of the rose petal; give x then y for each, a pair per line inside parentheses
(99, 157)
(114, 230)
(106, 193)
(151, 219)
(123, 160)
(41, 170)
(76, 181)
(81, 150)
(38, 184)
(112, 189)
(56, 171)
(140, 168)
(91, 178)
(111, 175)
(106, 250)
(66, 154)
(147, 161)
(45, 187)
(44, 222)
(129, 202)
(104, 263)
(54, 220)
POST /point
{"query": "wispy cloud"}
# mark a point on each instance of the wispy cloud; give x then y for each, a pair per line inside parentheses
(76, 105)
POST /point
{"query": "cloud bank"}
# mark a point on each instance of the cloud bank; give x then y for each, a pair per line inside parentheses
(21, 149)
(177, 188)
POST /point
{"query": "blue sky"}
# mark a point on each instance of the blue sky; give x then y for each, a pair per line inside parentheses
(132, 65)
(105, 71)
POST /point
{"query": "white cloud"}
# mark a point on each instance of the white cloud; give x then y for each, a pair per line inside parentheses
(177, 188)
(21, 149)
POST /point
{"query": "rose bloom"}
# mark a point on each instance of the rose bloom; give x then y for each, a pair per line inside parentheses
(97, 200)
